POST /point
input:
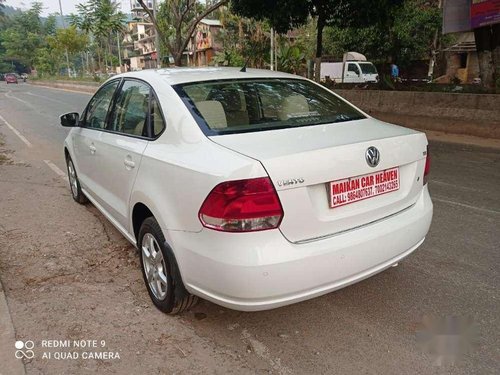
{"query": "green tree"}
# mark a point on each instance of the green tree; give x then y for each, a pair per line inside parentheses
(176, 22)
(287, 14)
(103, 20)
(290, 58)
(69, 39)
(242, 39)
(24, 36)
(2, 7)
(407, 34)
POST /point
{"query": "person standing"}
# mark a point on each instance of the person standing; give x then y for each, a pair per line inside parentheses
(394, 72)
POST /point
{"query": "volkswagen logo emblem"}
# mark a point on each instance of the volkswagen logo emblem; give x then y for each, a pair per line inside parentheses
(372, 156)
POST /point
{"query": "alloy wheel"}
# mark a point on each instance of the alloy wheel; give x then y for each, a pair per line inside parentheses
(73, 182)
(154, 266)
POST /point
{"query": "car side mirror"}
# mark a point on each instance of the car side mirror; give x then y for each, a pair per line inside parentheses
(70, 119)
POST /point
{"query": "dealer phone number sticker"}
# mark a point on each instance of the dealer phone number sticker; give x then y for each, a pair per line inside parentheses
(355, 189)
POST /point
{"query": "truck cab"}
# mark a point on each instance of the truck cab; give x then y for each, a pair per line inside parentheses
(360, 72)
(354, 68)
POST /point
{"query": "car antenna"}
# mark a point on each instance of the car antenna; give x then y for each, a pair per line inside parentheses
(244, 69)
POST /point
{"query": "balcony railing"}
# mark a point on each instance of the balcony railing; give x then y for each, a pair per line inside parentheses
(136, 6)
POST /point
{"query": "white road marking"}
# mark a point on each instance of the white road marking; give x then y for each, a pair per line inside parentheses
(55, 168)
(7, 94)
(16, 132)
(434, 198)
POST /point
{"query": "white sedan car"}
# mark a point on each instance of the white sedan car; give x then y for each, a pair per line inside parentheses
(252, 189)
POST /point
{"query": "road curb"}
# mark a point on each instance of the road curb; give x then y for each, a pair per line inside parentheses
(74, 87)
(10, 365)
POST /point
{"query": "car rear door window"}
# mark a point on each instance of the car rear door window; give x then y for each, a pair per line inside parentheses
(97, 110)
(156, 117)
(130, 114)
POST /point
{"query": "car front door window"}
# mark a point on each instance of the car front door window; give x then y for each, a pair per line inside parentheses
(98, 107)
(130, 115)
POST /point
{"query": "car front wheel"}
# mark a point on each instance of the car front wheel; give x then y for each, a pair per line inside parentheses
(160, 271)
(74, 183)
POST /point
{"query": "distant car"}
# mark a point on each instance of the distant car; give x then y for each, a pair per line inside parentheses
(10, 78)
(252, 189)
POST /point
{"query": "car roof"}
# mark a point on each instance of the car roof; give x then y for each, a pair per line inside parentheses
(174, 76)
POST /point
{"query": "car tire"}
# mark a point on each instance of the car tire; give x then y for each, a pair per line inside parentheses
(74, 183)
(160, 271)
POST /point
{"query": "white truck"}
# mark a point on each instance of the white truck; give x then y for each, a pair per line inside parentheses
(353, 69)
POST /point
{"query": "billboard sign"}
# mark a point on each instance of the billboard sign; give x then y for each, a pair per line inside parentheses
(456, 16)
(484, 12)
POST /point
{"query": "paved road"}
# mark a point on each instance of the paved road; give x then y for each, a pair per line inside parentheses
(69, 275)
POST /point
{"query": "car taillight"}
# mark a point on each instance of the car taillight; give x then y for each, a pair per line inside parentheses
(427, 168)
(242, 206)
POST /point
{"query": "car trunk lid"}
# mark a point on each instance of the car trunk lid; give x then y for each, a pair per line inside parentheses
(302, 162)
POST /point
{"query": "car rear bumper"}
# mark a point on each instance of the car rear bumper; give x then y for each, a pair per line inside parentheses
(262, 270)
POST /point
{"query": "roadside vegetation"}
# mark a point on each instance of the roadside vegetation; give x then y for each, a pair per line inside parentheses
(87, 46)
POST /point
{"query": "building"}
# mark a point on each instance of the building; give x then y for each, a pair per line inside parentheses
(139, 50)
(461, 60)
(204, 43)
(139, 44)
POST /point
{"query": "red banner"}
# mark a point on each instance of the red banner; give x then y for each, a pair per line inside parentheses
(484, 12)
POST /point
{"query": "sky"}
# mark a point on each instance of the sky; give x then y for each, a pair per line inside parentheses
(52, 6)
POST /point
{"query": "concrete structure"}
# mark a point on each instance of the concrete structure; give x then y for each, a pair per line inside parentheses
(204, 43)
(461, 60)
(140, 50)
(470, 114)
(139, 43)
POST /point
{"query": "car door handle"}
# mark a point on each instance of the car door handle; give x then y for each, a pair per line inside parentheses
(92, 149)
(129, 163)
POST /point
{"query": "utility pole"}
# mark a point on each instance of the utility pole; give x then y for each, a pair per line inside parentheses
(157, 39)
(119, 50)
(434, 52)
(272, 48)
(64, 27)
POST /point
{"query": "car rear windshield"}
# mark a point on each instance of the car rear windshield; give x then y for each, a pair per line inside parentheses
(237, 106)
(368, 68)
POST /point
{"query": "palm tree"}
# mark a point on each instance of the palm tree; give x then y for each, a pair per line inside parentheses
(102, 19)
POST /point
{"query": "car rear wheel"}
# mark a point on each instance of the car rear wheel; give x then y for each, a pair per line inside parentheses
(74, 184)
(160, 272)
